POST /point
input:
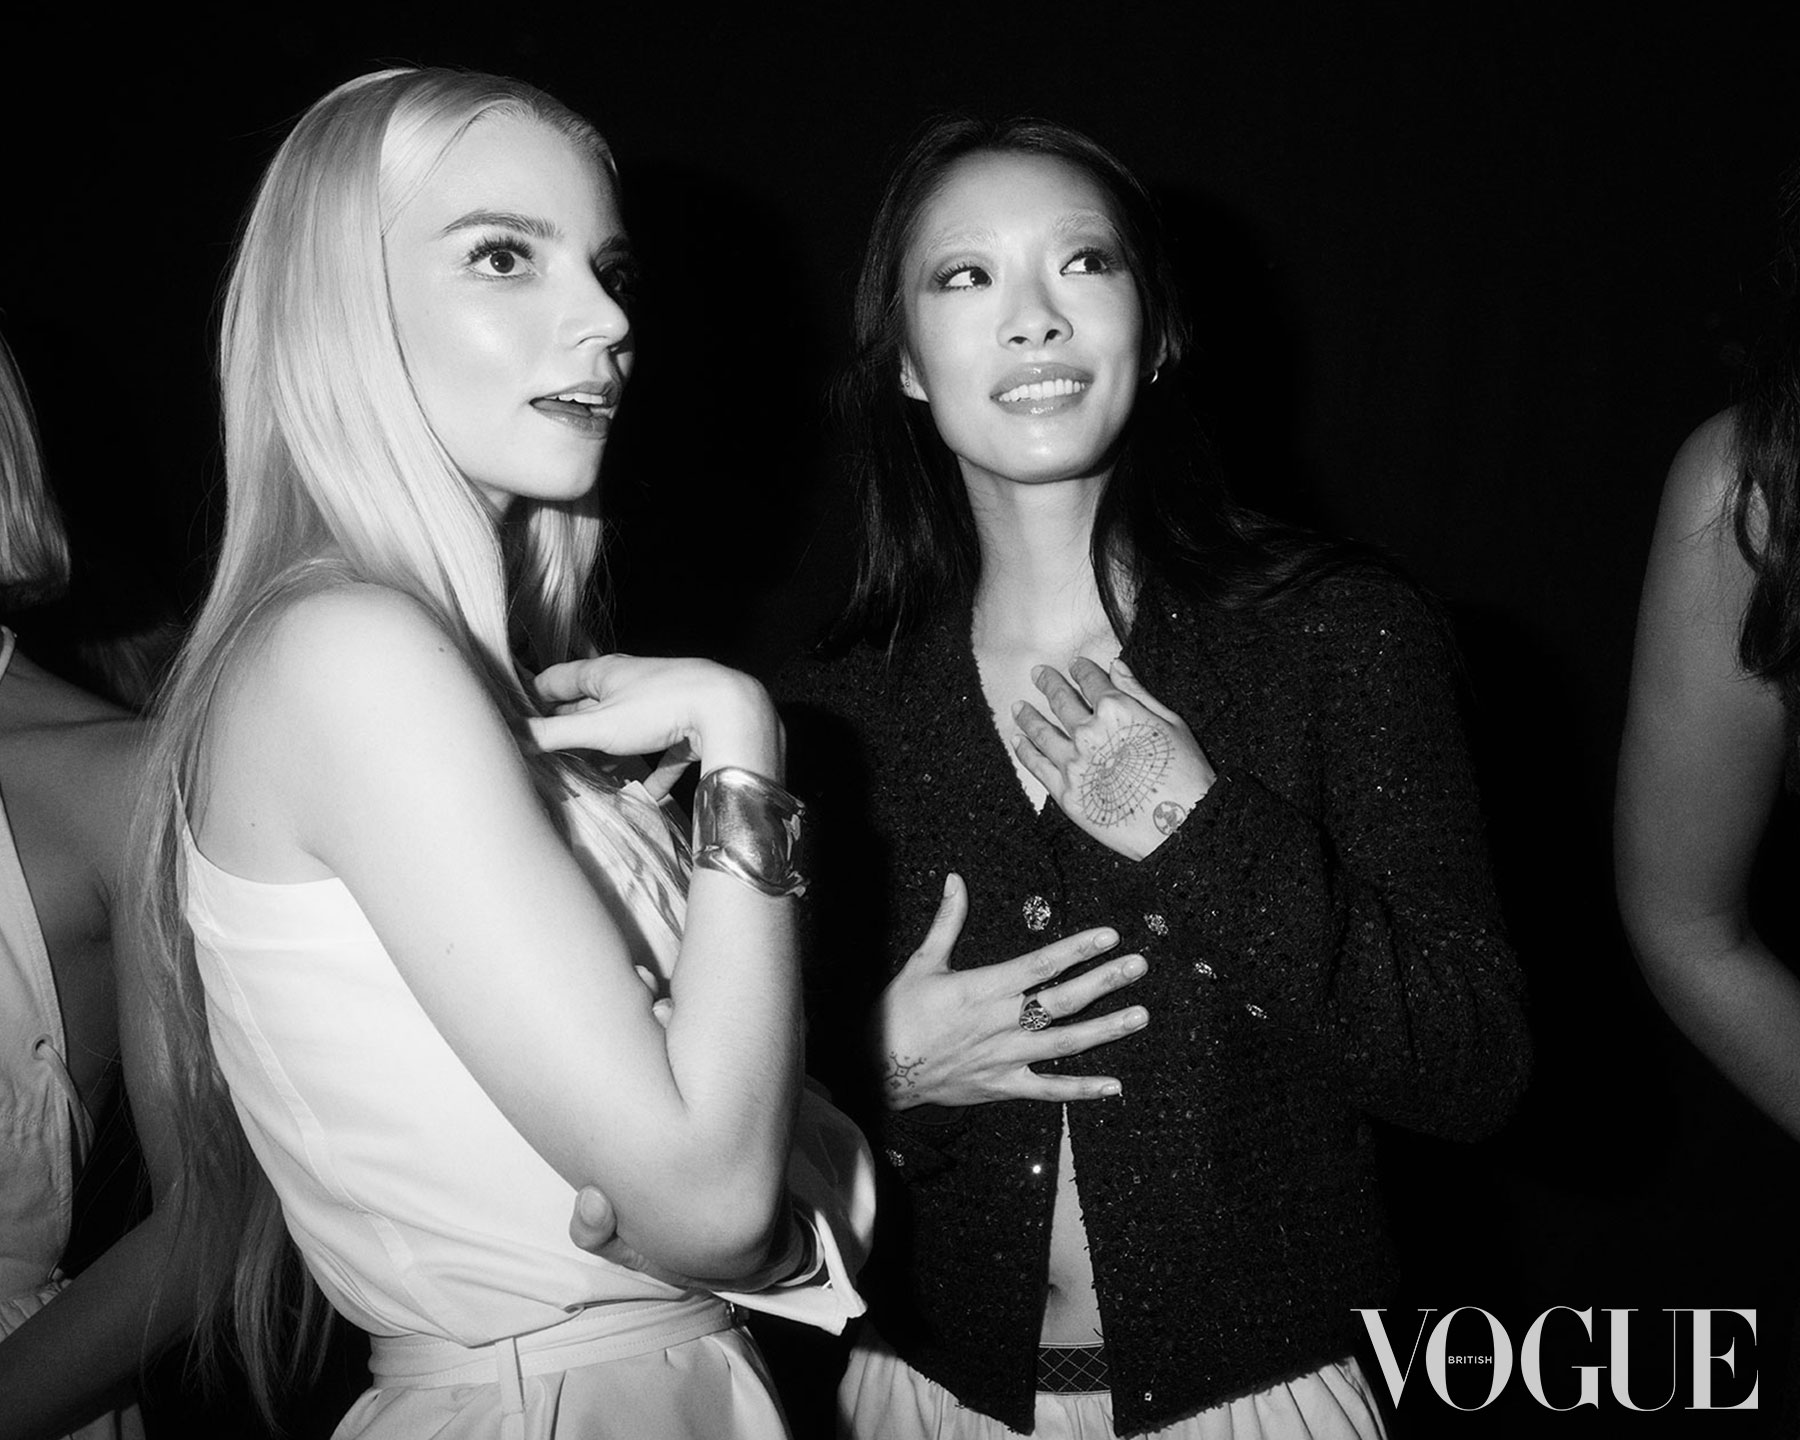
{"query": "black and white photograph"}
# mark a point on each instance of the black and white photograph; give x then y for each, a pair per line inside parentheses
(818, 722)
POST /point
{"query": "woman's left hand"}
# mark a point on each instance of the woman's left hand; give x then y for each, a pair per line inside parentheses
(1122, 766)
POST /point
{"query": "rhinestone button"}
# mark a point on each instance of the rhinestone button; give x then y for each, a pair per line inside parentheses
(1158, 925)
(1205, 971)
(1036, 911)
(1258, 1011)
(895, 1158)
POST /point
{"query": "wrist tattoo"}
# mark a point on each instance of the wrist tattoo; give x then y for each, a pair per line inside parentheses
(1168, 817)
(898, 1075)
(1123, 773)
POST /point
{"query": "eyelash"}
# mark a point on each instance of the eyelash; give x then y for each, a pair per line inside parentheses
(497, 244)
(949, 272)
(1107, 264)
(620, 278)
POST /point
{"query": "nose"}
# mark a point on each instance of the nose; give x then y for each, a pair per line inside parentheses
(1034, 320)
(596, 316)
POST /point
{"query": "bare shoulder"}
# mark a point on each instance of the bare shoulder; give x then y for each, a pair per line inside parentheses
(72, 756)
(350, 628)
(1701, 478)
(326, 657)
(340, 695)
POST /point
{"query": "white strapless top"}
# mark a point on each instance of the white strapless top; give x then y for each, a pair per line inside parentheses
(418, 1207)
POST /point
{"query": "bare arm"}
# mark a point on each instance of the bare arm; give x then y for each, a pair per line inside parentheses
(370, 750)
(1699, 770)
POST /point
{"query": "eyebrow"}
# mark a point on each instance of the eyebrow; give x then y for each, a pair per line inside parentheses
(1072, 223)
(503, 220)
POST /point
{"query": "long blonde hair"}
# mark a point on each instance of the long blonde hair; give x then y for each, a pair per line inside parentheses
(34, 547)
(328, 452)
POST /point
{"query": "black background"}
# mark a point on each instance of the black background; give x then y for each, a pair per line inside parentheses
(1462, 284)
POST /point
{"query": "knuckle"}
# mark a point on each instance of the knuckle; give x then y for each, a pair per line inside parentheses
(1113, 709)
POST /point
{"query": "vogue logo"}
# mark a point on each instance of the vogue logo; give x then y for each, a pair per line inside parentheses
(1497, 1353)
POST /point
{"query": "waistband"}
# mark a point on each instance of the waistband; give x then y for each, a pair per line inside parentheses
(1072, 1370)
(613, 1331)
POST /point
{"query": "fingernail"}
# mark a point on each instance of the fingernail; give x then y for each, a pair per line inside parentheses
(592, 1209)
(1018, 707)
(1038, 672)
(1106, 939)
(1136, 966)
(1137, 1019)
(1111, 1089)
(949, 885)
(1121, 666)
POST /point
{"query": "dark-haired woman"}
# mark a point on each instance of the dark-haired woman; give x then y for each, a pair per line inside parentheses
(1709, 732)
(1099, 712)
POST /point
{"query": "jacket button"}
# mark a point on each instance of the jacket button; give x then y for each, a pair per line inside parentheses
(1036, 911)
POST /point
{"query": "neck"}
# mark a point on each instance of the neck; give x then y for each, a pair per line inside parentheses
(1037, 589)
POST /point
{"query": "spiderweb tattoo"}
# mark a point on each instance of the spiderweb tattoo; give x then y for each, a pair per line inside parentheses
(1123, 772)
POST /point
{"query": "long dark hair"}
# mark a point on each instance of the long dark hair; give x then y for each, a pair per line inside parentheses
(1765, 506)
(1165, 511)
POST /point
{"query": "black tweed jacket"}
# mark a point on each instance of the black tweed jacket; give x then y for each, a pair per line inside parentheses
(1324, 947)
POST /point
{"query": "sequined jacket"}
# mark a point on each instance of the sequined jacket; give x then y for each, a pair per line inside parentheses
(1324, 947)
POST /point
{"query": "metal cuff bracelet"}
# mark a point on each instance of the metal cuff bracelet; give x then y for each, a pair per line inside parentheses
(748, 827)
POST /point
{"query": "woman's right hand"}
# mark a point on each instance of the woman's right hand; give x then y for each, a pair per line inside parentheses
(954, 1037)
(642, 705)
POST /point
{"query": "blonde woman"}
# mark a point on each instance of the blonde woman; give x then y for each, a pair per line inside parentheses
(405, 936)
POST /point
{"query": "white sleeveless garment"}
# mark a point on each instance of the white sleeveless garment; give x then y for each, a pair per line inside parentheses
(429, 1221)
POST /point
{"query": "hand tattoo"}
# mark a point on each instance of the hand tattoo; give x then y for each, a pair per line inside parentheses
(899, 1073)
(1123, 772)
(1168, 817)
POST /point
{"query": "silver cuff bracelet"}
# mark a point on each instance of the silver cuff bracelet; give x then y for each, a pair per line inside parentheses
(748, 827)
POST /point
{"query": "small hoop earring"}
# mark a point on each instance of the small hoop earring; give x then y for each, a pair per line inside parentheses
(1155, 373)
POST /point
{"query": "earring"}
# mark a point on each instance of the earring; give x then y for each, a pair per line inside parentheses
(1155, 373)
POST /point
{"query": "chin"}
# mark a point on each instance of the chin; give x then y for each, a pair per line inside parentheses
(1054, 469)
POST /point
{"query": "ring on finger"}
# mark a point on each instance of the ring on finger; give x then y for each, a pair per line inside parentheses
(1033, 1015)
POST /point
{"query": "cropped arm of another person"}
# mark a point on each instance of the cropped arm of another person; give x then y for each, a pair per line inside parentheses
(81, 1355)
(1700, 768)
(70, 771)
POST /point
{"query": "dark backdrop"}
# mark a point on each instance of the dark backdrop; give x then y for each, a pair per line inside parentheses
(1462, 285)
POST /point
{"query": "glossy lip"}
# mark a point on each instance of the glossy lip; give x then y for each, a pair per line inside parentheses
(589, 419)
(595, 423)
(1041, 374)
